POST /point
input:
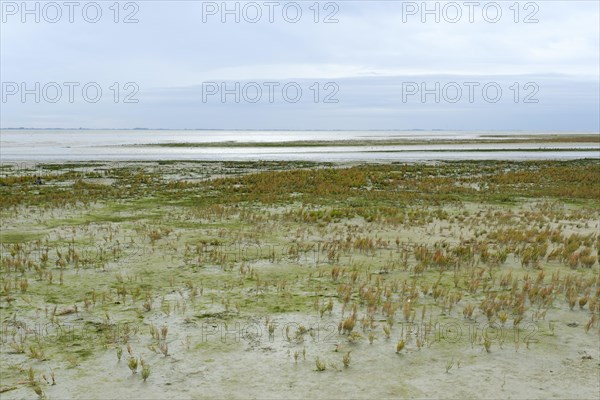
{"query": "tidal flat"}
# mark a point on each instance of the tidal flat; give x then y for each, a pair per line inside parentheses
(189, 280)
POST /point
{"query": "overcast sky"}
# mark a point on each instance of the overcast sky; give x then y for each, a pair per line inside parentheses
(363, 65)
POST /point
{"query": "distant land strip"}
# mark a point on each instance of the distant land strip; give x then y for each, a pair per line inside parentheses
(384, 142)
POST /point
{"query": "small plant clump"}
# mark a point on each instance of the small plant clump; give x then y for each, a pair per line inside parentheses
(145, 370)
(449, 365)
(487, 344)
(400, 345)
(133, 364)
(321, 366)
(346, 359)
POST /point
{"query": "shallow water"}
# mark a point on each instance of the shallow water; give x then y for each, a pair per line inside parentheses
(84, 145)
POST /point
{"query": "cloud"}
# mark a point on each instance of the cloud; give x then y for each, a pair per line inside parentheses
(170, 52)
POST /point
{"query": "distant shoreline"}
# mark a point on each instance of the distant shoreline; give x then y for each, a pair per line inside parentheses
(320, 146)
(387, 142)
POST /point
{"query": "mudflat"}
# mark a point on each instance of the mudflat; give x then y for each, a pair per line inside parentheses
(300, 280)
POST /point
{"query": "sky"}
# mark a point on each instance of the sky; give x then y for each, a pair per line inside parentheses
(478, 65)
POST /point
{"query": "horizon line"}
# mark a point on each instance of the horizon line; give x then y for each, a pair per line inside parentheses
(301, 130)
